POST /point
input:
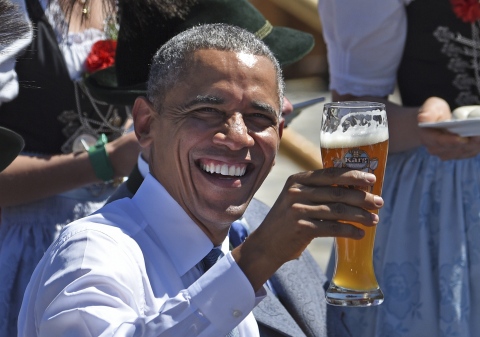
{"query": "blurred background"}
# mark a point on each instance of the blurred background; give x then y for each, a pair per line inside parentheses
(302, 15)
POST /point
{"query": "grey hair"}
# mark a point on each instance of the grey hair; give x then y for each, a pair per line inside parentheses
(171, 60)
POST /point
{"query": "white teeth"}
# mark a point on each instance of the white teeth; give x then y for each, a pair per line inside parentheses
(224, 169)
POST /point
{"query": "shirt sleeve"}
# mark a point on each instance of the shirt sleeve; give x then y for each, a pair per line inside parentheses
(92, 286)
(8, 54)
(365, 41)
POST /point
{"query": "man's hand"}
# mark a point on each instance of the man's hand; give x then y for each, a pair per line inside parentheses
(441, 143)
(312, 204)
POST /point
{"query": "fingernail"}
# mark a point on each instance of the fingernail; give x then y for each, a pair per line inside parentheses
(370, 177)
(375, 218)
(378, 200)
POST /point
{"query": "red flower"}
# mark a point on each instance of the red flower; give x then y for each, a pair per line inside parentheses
(467, 10)
(101, 56)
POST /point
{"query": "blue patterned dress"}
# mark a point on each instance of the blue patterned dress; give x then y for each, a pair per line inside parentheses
(427, 249)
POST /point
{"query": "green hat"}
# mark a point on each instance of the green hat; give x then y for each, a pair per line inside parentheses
(11, 144)
(141, 35)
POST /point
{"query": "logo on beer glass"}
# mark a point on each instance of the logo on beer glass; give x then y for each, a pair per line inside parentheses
(358, 160)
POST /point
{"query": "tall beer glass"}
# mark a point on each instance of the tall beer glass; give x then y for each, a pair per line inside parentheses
(355, 135)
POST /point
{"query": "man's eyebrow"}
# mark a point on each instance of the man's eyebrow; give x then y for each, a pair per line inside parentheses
(266, 108)
(205, 99)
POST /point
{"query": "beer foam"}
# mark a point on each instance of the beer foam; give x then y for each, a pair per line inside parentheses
(351, 130)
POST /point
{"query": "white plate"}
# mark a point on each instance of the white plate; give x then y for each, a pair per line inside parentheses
(464, 127)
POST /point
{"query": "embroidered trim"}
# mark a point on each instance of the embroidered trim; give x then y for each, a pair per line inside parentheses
(463, 54)
(79, 126)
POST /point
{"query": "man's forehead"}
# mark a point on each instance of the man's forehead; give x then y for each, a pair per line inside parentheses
(223, 64)
(210, 71)
(245, 57)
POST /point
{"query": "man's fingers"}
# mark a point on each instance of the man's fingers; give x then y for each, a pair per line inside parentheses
(335, 176)
(337, 194)
(341, 211)
(337, 229)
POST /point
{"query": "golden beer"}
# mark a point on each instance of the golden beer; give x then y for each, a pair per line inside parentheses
(355, 135)
(354, 258)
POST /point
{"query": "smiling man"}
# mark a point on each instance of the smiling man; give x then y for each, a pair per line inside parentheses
(217, 133)
(143, 266)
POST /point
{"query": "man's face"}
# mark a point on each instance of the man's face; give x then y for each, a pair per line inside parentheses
(216, 137)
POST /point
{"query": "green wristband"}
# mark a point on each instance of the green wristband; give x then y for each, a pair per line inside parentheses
(99, 158)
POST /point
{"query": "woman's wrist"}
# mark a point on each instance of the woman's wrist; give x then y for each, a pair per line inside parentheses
(99, 159)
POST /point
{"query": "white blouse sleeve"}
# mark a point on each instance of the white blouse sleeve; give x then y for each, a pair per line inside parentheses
(8, 54)
(365, 41)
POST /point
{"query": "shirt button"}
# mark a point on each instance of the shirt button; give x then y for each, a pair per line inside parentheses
(236, 313)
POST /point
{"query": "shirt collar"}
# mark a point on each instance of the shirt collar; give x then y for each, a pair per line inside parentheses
(180, 236)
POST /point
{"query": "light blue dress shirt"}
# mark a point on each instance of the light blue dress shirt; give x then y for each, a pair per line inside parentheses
(130, 270)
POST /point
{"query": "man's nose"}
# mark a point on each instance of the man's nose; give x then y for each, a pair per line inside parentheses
(234, 134)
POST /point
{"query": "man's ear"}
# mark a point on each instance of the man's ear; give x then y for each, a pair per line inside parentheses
(143, 116)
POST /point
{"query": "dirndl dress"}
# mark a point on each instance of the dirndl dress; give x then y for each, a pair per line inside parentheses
(427, 250)
(427, 247)
(26, 231)
(51, 115)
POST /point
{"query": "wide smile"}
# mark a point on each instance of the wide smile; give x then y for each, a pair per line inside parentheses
(222, 169)
(225, 169)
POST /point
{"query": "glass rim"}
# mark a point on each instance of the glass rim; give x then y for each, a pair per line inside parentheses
(355, 104)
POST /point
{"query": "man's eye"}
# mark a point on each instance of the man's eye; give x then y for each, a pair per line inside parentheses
(211, 116)
(260, 121)
(208, 112)
(263, 116)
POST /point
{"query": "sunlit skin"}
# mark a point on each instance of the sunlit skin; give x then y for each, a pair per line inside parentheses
(223, 115)
(287, 108)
